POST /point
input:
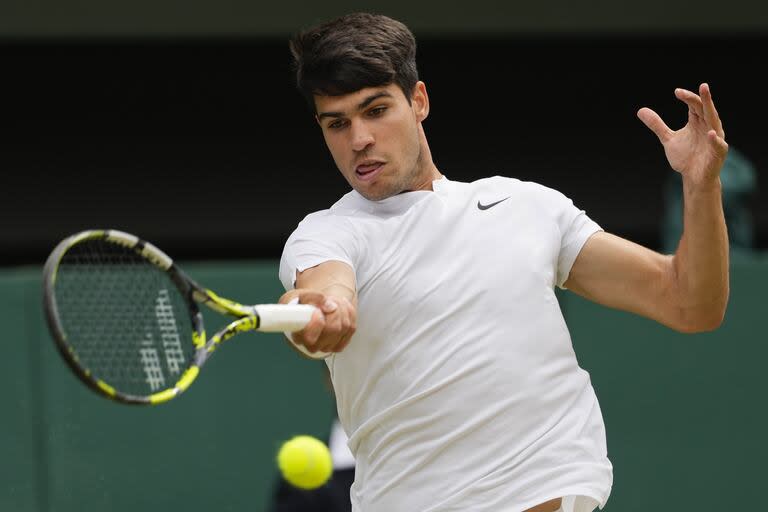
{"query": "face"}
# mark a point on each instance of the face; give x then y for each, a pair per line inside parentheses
(375, 138)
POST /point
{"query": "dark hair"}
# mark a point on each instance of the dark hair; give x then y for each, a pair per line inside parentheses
(352, 52)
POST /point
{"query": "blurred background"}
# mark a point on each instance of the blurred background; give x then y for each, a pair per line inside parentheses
(179, 122)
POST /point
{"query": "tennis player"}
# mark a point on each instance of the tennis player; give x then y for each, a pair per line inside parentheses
(453, 368)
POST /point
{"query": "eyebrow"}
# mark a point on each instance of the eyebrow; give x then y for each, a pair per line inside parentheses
(360, 106)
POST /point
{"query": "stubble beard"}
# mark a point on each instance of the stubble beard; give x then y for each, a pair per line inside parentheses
(405, 183)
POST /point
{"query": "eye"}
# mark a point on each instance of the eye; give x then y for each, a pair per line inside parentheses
(377, 111)
(337, 124)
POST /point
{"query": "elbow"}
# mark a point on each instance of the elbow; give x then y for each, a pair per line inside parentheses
(716, 316)
(703, 324)
(702, 319)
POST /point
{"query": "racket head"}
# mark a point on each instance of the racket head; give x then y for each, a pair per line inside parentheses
(122, 316)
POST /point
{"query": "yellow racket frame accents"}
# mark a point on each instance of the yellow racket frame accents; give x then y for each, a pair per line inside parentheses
(247, 318)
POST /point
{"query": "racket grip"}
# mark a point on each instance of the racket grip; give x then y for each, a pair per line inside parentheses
(283, 317)
(288, 334)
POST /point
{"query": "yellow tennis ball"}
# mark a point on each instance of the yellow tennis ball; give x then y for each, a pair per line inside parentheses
(305, 462)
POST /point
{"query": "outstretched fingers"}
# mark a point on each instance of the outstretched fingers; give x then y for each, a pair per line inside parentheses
(701, 110)
(698, 148)
(693, 101)
(702, 107)
(710, 112)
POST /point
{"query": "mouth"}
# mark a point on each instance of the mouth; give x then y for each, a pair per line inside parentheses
(368, 170)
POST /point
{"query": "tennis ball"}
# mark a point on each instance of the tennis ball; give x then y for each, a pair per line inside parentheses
(305, 462)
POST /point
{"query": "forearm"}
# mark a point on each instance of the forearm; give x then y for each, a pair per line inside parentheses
(329, 290)
(332, 279)
(701, 261)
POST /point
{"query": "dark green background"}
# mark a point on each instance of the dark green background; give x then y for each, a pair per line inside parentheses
(685, 414)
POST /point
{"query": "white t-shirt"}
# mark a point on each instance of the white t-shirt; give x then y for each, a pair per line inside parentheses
(460, 389)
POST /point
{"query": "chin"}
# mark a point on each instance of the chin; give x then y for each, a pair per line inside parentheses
(375, 195)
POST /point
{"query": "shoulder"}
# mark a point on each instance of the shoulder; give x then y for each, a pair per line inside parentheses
(337, 216)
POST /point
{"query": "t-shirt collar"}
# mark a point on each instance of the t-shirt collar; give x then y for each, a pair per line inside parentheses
(400, 203)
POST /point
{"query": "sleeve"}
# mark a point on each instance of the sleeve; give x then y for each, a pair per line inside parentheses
(318, 238)
(573, 225)
(575, 229)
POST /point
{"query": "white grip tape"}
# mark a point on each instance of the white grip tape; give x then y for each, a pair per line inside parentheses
(301, 348)
(283, 317)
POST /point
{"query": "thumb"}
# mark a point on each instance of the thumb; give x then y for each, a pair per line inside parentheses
(652, 120)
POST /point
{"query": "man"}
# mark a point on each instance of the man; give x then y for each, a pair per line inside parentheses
(454, 372)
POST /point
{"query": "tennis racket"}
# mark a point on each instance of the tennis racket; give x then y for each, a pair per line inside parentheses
(126, 320)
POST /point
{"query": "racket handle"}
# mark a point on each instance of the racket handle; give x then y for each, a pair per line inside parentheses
(283, 317)
(294, 303)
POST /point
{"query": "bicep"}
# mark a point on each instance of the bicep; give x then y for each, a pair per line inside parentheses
(623, 275)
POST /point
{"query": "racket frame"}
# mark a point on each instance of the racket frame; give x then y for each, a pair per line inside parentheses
(247, 317)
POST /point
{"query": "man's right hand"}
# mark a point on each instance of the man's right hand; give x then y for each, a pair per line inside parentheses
(331, 326)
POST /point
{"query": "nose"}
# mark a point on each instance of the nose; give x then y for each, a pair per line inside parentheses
(362, 137)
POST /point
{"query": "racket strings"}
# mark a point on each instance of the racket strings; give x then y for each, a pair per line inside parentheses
(124, 319)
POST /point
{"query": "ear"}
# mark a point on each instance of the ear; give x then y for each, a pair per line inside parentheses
(420, 101)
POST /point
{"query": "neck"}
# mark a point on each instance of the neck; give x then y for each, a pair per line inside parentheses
(429, 171)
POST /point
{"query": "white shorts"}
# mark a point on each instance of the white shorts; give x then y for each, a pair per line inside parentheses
(578, 504)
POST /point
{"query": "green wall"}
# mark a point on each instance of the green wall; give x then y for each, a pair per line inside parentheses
(686, 414)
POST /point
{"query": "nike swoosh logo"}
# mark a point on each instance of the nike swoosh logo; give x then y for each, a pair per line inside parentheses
(491, 205)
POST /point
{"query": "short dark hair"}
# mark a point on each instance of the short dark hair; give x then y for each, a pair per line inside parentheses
(352, 52)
